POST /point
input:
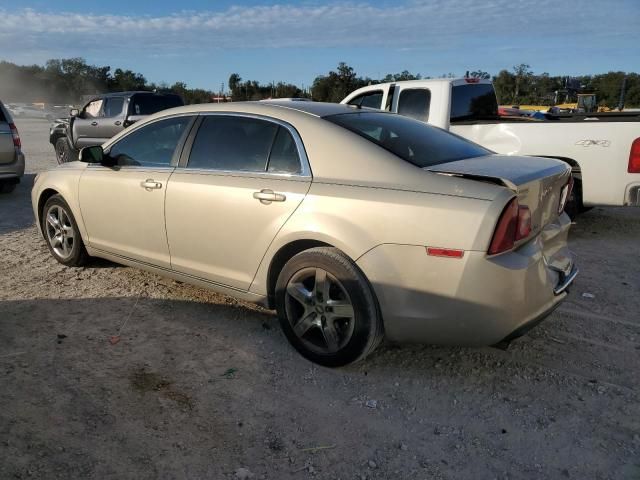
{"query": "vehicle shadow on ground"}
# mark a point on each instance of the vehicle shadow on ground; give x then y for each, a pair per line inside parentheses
(15, 207)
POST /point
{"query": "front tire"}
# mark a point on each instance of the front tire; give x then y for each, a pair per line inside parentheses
(61, 233)
(327, 308)
(64, 152)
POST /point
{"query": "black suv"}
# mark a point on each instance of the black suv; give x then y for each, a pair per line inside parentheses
(103, 117)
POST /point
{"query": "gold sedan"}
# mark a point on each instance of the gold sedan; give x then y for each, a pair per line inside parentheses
(353, 224)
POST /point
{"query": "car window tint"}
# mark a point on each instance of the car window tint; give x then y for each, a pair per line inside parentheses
(369, 99)
(415, 103)
(152, 145)
(471, 102)
(284, 154)
(232, 143)
(113, 106)
(412, 140)
(93, 109)
(145, 104)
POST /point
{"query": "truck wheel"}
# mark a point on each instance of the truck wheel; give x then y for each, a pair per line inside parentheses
(327, 308)
(64, 153)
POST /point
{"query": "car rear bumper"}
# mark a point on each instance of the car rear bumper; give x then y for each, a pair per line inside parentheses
(476, 300)
(14, 169)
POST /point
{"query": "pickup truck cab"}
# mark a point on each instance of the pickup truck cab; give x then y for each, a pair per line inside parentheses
(603, 149)
(103, 117)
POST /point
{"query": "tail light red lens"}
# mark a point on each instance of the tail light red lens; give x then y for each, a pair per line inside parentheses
(16, 136)
(504, 235)
(634, 157)
(514, 224)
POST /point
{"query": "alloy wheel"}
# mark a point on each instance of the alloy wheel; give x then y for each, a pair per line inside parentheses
(319, 310)
(60, 232)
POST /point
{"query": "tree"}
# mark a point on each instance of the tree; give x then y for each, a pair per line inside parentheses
(126, 80)
(523, 76)
(234, 84)
(480, 74)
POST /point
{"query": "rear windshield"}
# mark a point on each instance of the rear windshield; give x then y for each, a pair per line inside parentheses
(413, 141)
(149, 104)
(473, 102)
(2, 117)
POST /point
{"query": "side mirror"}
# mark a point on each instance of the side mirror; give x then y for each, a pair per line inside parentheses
(74, 112)
(93, 154)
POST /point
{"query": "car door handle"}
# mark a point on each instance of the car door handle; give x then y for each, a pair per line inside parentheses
(150, 184)
(267, 196)
(94, 123)
(118, 123)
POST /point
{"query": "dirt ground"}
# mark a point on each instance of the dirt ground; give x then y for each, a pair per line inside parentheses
(203, 386)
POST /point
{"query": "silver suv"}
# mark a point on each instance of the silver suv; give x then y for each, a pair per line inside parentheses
(11, 156)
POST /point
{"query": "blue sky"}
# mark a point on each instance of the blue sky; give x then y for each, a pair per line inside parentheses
(202, 42)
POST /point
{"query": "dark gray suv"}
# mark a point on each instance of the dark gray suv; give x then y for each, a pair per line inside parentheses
(11, 156)
(103, 117)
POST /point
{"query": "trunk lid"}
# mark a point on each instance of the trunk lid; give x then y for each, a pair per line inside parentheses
(539, 183)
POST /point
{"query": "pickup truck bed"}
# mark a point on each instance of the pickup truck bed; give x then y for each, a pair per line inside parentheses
(599, 147)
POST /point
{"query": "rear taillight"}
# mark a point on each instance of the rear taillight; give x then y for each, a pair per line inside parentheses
(565, 193)
(524, 223)
(16, 136)
(514, 224)
(634, 157)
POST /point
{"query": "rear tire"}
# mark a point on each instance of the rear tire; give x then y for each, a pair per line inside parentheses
(8, 187)
(327, 308)
(61, 232)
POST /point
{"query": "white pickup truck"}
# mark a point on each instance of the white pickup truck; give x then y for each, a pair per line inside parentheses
(603, 149)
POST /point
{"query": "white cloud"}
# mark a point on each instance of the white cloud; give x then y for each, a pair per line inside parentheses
(416, 23)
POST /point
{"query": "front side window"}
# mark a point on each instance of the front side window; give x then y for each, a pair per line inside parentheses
(113, 106)
(233, 143)
(414, 103)
(93, 109)
(369, 99)
(152, 145)
(413, 141)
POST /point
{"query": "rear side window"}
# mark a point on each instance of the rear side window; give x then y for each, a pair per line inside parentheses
(369, 99)
(2, 117)
(233, 143)
(471, 102)
(412, 140)
(284, 154)
(113, 106)
(415, 103)
(152, 145)
(150, 104)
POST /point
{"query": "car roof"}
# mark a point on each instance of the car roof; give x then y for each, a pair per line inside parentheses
(131, 93)
(272, 107)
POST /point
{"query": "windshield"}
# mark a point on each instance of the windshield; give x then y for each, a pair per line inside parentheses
(473, 102)
(413, 141)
